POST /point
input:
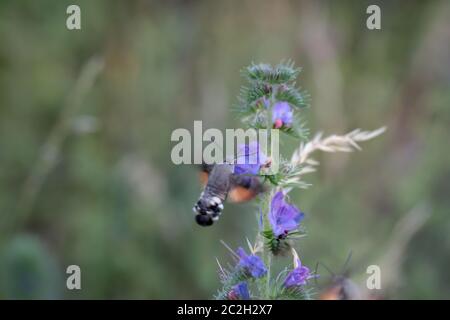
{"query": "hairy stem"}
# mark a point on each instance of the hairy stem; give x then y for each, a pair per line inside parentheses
(266, 254)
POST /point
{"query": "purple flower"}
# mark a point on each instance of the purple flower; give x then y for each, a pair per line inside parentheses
(250, 159)
(283, 217)
(239, 292)
(298, 276)
(252, 264)
(282, 115)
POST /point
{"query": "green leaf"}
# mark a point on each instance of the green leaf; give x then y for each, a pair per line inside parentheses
(281, 73)
(293, 96)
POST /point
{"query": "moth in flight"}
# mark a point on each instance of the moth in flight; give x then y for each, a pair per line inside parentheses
(221, 182)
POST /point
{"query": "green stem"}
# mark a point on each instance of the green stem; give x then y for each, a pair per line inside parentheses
(266, 254)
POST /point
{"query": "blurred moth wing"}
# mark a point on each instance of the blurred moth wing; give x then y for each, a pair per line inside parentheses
(341, 289)
(244, 188)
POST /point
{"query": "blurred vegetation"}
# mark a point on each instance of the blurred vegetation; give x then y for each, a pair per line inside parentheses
(86, 118)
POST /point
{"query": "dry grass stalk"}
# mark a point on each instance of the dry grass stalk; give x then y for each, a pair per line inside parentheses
(301, 158)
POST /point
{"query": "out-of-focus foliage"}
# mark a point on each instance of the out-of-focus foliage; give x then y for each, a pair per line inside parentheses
(85, 170)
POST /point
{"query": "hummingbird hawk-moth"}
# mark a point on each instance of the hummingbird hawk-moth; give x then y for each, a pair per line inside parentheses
(221, 183)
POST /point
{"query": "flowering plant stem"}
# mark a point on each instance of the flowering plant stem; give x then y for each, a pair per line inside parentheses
(265, 219)
(273, 101)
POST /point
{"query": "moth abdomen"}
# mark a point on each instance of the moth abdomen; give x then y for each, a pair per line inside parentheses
(208, 209)
(210, 205)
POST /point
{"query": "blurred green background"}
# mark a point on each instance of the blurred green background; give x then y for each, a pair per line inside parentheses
(86, 118)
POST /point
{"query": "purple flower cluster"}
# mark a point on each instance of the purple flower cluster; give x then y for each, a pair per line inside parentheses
(270, 101)
(251, 264)
(297, 277)
(282, 115)
(239, 292)
(283, 217)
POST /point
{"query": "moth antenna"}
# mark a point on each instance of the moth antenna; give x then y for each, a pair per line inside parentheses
(328, 269)
(315, 272)
(346, 263)
(249, 154)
